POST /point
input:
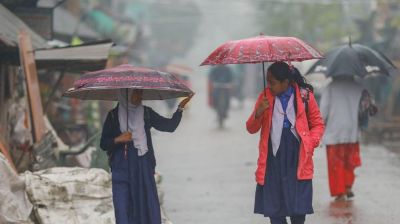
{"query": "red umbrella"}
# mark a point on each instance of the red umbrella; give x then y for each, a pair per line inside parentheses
(262, 49)
(105, 84)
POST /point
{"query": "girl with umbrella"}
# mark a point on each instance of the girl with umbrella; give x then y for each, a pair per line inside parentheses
(291, 127)
(345, 107)
(126, 133)
(290, 122)
(127, 139)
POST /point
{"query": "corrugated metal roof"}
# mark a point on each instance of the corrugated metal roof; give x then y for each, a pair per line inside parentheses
(85, 57)
(50, 3)
(10, 25)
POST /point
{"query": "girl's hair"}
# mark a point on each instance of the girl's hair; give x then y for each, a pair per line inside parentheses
(281, 71)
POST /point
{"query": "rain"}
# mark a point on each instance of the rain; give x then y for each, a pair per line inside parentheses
(207, 68)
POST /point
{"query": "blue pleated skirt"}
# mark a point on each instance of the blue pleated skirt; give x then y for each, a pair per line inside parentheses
(283, 194)
(134, 189)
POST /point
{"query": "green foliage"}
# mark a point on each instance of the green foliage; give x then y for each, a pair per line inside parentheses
(324, 25)
(395, 21)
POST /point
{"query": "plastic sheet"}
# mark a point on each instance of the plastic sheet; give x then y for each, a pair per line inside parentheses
(14, 204)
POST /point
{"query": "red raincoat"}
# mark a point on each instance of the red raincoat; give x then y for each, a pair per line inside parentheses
(309, 127)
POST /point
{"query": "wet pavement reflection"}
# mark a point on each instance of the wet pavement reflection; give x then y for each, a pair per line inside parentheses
(343, 211)
(210, 177)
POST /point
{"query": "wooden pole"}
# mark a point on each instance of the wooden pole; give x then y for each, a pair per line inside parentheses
(28, 65)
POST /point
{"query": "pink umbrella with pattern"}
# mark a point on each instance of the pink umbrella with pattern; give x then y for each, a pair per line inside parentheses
(262, 49)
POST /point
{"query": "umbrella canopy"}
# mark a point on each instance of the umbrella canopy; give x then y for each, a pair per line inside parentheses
(105, 84)
(262, 49)
(353, 59)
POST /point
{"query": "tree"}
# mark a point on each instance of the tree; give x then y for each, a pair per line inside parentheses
(324, 25)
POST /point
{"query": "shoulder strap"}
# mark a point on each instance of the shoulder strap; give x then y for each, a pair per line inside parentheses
(305, 96)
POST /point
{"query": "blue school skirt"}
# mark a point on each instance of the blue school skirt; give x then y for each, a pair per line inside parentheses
(134, 189)
(283, 194)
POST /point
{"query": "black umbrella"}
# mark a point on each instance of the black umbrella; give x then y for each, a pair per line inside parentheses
(353, 59)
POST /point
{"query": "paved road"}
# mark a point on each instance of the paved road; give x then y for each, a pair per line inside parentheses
(209, 174)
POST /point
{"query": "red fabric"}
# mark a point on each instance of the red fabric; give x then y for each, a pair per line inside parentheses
(261, 49)
(342, 161)
(310, 129)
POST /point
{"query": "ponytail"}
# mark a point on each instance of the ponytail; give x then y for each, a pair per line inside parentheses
(300, 80)
(282, 71)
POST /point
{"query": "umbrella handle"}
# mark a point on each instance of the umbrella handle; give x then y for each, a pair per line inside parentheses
(263, 69)
(127, 123)
(126, 151)
(127, 109)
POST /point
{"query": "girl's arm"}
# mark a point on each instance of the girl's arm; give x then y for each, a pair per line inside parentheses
(165, 124)
(315, 121)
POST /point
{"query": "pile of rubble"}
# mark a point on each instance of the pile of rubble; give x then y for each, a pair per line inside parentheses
(58, 195)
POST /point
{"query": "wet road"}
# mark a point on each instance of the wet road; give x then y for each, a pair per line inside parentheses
(209, 174)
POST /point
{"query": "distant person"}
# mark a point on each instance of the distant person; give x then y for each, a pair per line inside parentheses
(127, 139)
(291, 127)
(345, 107)
(220, 91)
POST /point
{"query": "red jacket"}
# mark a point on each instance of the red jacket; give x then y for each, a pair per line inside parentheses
(309, 128)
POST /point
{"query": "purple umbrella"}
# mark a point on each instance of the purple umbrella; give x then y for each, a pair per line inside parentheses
(106, 84)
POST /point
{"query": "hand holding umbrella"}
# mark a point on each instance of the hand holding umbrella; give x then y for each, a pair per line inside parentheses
(183, 103)
(262, 107)
(123, 138)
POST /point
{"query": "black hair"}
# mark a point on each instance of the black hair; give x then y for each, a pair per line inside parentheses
(282, 71)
